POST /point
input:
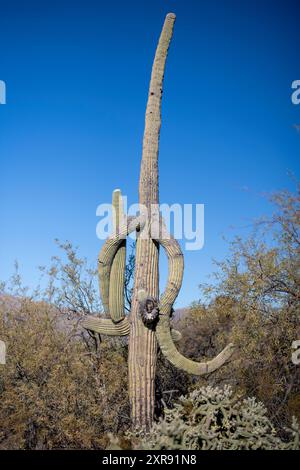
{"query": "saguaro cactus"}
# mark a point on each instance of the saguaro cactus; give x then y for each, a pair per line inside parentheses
(2, 352)
(149, 320)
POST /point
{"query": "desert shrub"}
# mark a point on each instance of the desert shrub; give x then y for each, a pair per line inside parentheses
(254, 302)
(214, 418)
(56, 391)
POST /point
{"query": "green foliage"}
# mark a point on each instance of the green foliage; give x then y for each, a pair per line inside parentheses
(215, 419)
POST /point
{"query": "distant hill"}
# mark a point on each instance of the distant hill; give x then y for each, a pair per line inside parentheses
(68, 320)
(179, 313)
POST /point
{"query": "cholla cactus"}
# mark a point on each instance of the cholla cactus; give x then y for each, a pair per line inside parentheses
(216, 419)
(149, 319)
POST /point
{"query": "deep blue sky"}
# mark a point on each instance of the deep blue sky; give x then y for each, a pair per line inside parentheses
(77, 76)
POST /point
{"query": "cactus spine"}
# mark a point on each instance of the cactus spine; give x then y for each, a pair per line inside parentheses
(148, 324)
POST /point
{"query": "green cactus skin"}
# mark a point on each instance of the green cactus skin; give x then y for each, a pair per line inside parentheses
(176, 335)
(144, 339)
(112, 284)
(106, 326)
(168, 348)
(2, 353)
(117, 274)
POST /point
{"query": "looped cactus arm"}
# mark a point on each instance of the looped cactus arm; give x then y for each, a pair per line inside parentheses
(111, 268)
(112, 259)
(175, 269)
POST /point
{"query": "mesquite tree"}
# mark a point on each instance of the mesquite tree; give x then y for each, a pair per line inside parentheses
(148, 324)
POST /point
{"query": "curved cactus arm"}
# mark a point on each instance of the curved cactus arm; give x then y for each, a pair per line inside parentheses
(2, 352)
(118, 262)
(103, 286)
(107, 255)
(117, 273)
(175, 335)
(175, 269)
(175, 274)
(163, 331)
(106, 326)
(168, 348)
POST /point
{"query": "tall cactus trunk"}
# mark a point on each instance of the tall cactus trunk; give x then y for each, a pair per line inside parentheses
(148, 324)
(142, 342)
